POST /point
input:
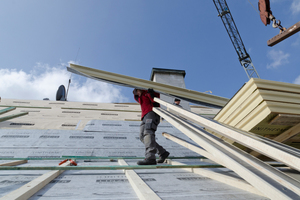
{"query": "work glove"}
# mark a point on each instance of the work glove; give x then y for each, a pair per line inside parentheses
(151, 92)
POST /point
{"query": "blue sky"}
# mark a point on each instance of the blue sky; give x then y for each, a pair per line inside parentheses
(130, 37)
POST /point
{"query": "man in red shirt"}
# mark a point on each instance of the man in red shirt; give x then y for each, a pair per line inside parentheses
(150, 121)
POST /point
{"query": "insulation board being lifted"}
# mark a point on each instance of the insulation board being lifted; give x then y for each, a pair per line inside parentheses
(118, 79)
(264, 107)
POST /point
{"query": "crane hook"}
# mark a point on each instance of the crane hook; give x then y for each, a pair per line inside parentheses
(276, 23)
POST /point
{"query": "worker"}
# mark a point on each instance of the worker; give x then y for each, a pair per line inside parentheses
(177, 102)
(150, 121)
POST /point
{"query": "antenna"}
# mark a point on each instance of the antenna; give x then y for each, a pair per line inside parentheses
(71, 75)
(68, 86)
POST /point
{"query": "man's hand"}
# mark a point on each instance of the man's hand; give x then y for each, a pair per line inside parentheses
(151, 91)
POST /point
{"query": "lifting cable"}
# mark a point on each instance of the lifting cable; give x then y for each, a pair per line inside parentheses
(253, 7)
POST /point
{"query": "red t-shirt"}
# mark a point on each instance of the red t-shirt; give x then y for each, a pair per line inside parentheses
(146, 102)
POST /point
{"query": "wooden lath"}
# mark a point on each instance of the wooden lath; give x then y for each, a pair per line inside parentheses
(118, 79)
(235, 159)
(29, 189)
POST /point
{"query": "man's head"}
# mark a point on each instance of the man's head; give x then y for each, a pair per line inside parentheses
(177, 101)
(139, 92)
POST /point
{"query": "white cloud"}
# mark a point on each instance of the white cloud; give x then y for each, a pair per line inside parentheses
(297, 80)
(295, 7)
(43, 81)
(278, 58)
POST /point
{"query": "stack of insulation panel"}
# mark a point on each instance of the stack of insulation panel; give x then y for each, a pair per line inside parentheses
(264, 107)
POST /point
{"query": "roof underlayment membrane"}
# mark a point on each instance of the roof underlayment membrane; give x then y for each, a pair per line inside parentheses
(99, 130)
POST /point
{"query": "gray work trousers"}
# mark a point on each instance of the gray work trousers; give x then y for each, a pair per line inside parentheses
(147, 135)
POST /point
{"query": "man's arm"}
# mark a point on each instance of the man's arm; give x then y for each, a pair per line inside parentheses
(151, 94)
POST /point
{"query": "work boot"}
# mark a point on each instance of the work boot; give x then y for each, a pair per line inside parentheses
(163, 157)
(147, 162)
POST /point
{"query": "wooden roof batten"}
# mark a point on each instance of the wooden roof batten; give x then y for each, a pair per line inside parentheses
(27, 190)
(270, 182)
(127, 81)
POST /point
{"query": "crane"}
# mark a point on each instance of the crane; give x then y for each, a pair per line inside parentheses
(235, 38)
